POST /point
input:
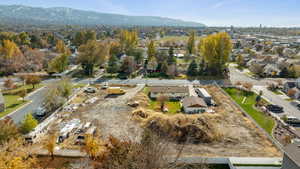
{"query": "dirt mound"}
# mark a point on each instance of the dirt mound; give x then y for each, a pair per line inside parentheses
(182, 128)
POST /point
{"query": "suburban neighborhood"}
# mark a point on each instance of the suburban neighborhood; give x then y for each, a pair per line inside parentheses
(81, 89)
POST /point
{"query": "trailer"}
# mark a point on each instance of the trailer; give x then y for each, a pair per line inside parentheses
(115, 91)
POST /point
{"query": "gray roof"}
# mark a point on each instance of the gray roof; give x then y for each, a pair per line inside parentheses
(1, 98)
(169, 89)
(293, 152)
(193, 101)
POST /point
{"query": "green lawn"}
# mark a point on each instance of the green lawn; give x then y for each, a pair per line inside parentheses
(262, 119)
(12, 102)
(79, 85)
(18, 89)
(173, 106)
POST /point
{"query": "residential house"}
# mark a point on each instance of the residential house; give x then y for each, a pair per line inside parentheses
(288, 85)
(172, 92)
(288, 52)
(295, 86)
(193, 105)
(2, 105)
(271, 70)
(291, 158)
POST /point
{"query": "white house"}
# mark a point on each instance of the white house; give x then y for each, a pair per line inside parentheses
(193, 105)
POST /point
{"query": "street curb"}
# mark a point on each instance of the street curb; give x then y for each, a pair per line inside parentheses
(29, 102)
(31, 93)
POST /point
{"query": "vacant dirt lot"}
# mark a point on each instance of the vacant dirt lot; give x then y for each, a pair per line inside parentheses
(240, 135)
(113, 117)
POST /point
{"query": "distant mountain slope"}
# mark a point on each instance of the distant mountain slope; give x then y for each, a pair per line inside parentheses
(35, 15)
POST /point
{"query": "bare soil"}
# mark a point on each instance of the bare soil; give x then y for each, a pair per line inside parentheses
(241, 138)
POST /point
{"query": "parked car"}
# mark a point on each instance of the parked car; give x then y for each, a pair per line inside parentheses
(104, 86)
(40, 112)
(90, 90)
(292, 120)
(275, 108)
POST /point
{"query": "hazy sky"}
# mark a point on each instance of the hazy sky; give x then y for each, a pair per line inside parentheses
(209, 12)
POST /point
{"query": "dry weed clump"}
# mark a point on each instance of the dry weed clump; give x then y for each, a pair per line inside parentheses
(180, 127)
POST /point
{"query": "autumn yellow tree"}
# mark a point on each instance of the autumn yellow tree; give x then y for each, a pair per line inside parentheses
(91, 54)
(49, 145)
(93, 146)
(128, 40)
(216, 49)
(13, 155)
(11, 57)
(151, 50)
(59, 63)
(28, 124)
(62, 48)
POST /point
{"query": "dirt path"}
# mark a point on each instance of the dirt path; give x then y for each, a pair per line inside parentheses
(113, 116)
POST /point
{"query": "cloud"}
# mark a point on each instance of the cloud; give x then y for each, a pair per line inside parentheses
(223, 3)
(218, 4)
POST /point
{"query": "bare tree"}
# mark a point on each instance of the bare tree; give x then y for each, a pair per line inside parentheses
(162, 99)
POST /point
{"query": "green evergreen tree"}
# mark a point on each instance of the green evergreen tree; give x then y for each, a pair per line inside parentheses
(201, 71)
(171, 57)
(164, 68)
(113, 66)
(192, 69)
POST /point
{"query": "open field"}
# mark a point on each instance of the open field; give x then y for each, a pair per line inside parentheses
(239, 135)
(266, 122)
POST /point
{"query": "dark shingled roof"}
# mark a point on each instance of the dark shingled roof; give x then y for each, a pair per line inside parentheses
(293, 152)
(169, 89)
(193, 101)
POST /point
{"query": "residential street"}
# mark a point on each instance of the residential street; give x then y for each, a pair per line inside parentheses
(289, 109)
(36, 99)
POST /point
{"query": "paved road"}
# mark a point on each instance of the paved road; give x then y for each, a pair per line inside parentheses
(289, 109)
(35, 99)
(275, 99)
(158, 81)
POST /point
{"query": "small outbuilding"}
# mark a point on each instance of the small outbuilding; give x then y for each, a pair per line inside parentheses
(193, 105)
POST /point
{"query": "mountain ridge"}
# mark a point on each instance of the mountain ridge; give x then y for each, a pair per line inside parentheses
(69, 16)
